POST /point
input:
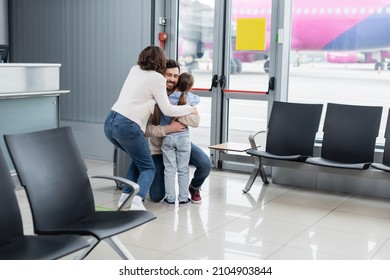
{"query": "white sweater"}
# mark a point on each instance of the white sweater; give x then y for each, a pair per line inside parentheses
(140, 92)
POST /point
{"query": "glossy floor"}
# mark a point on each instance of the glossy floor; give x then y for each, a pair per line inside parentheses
(270, 222)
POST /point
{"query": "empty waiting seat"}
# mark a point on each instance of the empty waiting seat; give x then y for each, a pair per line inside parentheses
(14, 245)
(292, 128)
(51, 169)
(350, 133)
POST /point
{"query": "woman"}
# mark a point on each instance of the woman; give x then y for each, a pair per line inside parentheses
(126, 122)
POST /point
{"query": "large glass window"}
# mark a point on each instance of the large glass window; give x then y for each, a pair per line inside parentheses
(339, 53)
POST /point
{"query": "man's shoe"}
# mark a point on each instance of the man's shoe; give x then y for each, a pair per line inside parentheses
(195, 195)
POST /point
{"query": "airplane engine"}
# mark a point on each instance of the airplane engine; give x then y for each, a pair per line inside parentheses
(345, 57)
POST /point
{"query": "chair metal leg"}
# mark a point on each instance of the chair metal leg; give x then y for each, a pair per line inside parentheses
(118, 247)
(258, 169)
(251, 180)
(263, 175)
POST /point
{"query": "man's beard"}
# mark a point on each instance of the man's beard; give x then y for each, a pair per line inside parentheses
(170, 86)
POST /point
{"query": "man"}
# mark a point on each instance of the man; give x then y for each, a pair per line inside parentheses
(154, 131)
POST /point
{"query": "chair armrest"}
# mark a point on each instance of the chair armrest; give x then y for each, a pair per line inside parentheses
(120, 180)
(252, 141)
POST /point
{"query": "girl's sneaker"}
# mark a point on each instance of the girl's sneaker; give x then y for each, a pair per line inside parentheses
(170, 204)
(184, 202)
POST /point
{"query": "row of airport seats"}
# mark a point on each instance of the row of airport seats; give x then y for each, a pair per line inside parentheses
(349, 139)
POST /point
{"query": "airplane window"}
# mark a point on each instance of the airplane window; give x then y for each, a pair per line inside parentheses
(346, 10)
(379, 10)
(371, 10)
(298, 11)
(306, 11)
(388, 10)
(255, 11)
(362, 10)
(262, 11)
(322, 11)
(330, 11)
(314, 11)
(354, 10)
(337, 11)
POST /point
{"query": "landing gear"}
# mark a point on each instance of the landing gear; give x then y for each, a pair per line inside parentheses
(235, 66)
(380, 66)
(266, 67)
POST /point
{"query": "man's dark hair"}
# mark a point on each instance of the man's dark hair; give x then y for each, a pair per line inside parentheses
(171, 63)
(153, 58)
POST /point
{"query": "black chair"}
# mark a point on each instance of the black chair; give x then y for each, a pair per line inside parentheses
(350, 133)
(292, 128)
(54, 174)
(14, 245)
(385, 165)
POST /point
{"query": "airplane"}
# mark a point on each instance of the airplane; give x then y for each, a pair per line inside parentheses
(347, 31)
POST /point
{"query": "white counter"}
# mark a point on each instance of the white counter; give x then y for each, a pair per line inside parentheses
(29, 77)
(29, 98)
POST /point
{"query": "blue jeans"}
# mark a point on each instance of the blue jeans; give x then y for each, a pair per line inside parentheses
(128, 136)
(198, 158)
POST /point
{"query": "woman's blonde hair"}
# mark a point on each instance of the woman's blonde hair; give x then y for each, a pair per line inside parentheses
(153, 58)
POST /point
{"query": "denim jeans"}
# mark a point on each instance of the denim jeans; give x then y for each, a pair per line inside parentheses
(198, 158)
(128, 136)
(202, 163)
(176, 148)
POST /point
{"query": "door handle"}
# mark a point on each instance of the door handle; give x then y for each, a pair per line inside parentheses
(222, 81)
(214, 82)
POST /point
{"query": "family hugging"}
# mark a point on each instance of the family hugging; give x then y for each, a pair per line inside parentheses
(149, 121)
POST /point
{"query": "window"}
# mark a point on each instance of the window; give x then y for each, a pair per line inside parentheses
(343, 56)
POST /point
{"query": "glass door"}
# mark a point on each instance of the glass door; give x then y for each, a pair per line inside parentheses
(231, 74)
(195, 48)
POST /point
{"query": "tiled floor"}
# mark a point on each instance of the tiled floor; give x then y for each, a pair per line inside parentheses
(270, 222)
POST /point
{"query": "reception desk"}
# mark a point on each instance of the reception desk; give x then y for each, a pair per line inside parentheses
(29, 99)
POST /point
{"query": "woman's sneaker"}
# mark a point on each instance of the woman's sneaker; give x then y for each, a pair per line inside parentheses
(137, 204)
(195, 195)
